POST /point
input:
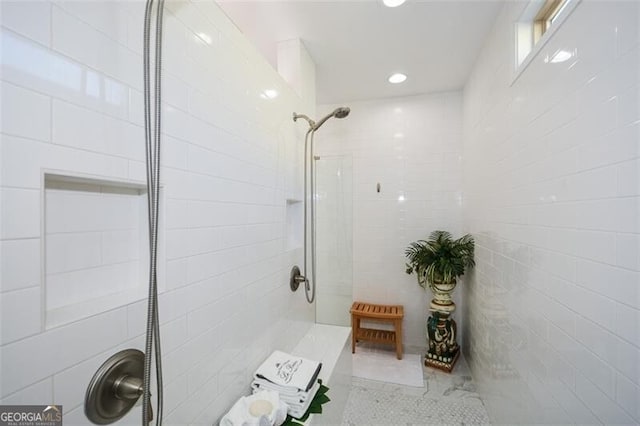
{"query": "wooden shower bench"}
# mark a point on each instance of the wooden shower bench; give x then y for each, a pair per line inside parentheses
(379, 313)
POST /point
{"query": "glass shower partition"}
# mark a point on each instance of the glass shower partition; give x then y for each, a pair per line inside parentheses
(334, 239)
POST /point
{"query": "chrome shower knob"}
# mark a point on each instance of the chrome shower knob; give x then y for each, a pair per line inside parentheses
(115, 387)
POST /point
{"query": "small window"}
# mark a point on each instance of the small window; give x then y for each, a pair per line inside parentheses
(537, 22)
(547, 15)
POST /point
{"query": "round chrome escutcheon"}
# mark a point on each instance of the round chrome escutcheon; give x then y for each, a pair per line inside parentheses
(115, 387)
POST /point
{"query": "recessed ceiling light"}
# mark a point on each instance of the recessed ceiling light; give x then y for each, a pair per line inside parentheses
(393, 3)
(397, 78)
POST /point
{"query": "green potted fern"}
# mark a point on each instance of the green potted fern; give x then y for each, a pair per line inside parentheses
(437, 263)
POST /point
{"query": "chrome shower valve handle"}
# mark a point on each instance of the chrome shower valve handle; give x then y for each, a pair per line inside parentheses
(296, 277)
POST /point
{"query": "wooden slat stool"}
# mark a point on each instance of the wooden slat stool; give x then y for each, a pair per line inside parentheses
(380, 313)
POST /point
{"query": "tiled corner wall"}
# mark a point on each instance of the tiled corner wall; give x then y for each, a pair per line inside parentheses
(552, 194)
(412, 147)
(72, 104)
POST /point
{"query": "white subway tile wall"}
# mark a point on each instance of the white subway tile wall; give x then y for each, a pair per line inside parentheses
(412, 147)
(551, 195)
(544, 171)
(71, 102)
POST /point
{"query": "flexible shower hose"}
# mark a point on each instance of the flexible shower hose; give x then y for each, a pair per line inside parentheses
(152, 144)
(312, 175)
(309, 287)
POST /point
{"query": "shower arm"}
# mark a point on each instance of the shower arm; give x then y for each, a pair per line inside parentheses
(312, 124)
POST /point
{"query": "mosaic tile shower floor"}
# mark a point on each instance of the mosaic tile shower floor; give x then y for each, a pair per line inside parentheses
(445, 399)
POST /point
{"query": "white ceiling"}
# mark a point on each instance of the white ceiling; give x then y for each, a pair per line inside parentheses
(357, 44)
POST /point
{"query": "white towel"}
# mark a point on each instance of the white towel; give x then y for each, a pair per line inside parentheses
(241, 413)
(297, 410)
(296, 406)
(288, 392)
(298, 398)
(289, 371)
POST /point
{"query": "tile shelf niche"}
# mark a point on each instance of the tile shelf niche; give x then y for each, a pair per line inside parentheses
(294, 222)
(95, 246)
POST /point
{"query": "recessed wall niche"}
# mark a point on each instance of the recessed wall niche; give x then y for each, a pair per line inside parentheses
(95, 246)
(295, 224)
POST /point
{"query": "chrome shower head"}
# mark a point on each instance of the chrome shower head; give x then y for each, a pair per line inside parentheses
(340, 112)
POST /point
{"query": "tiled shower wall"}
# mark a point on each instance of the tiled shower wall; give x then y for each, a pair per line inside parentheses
(412, 147)
(72, 103)
(552, 194)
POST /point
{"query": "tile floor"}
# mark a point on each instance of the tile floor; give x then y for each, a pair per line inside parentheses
(445, 399)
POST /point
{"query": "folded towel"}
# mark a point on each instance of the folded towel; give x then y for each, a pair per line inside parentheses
(298, 399)
(296, 406)
(292, 373)
(297, 410)
(258, 384)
